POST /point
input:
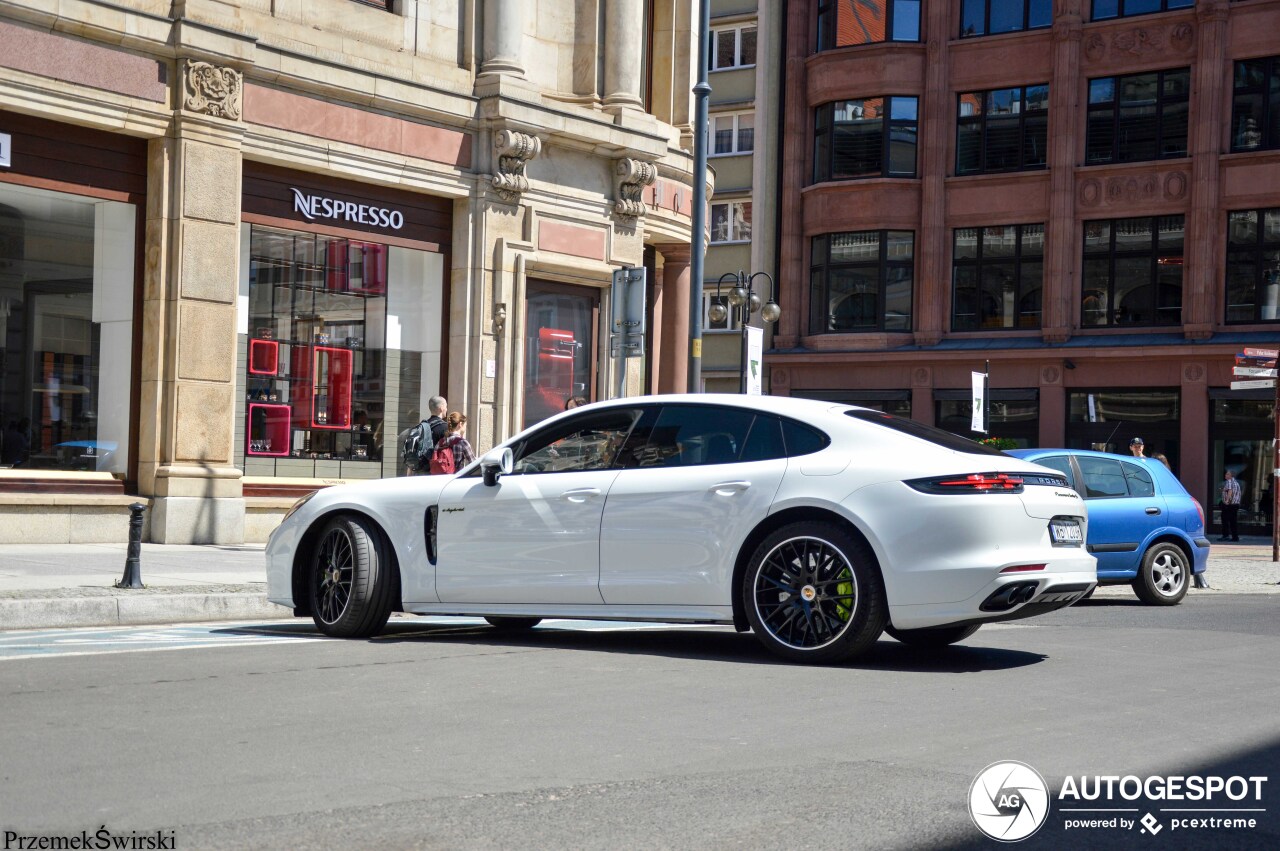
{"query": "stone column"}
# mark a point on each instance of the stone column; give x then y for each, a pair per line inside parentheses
(673, 343)
(188, 380)
(1202, 277)
(503, 37)
(1061, 285)
(793, 247)
(624, 37)
(933, 284)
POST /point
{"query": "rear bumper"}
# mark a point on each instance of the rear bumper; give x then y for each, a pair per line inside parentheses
(1064, 582)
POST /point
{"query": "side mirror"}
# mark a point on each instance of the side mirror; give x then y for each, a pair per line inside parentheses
(497, 462)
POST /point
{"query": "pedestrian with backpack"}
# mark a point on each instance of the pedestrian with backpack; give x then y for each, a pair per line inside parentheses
(422, 439)
(454, 452)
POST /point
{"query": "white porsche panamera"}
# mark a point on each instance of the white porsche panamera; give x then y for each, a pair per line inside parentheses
(815, 525)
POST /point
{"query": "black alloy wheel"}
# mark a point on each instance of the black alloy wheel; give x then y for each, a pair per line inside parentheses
(813, 593)
(353, 578)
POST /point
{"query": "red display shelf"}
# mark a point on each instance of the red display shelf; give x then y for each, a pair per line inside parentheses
(268, 421)
(264, 357)
(333, 378)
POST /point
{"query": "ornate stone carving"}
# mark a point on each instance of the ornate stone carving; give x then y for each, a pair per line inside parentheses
(1090, 192)
(1050, 375)
(1131, 188)
(630, 177)
(513, 150)
(921, 377)
(211, 90)
(780, 378)
(1141, 41)
(1175, 185)
(1192, 373)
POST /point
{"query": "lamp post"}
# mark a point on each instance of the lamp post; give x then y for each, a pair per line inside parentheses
(701, 91)
(744, 301)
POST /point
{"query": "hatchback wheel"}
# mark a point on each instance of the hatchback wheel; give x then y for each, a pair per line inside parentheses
(938, 637)
(353, 579)
(813, 594)
(1162, 579)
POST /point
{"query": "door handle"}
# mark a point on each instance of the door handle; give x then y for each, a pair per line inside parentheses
(729, 488)
(580, 494)
(1153, 510)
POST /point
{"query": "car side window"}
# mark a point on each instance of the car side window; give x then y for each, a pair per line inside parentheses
(1139, 480)
(802, 439)
(587, 442)
(1102, 477)
(690, 435)
(1061, 463)
(764, 442)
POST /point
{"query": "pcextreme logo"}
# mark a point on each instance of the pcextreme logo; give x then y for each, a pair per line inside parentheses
(1008, 801)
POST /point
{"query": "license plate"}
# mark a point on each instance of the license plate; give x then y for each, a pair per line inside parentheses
(1066, 533)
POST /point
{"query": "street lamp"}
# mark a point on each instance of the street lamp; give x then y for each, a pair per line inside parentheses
(744, 301)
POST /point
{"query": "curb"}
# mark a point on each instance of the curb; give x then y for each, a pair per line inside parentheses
(60, 612)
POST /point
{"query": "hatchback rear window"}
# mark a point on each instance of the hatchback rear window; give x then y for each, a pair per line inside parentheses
(936, 436)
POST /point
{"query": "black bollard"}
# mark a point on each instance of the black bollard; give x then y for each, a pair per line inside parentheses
(132, 568)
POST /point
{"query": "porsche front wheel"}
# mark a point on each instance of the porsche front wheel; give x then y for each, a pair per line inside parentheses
(813, 594)
(352, 579)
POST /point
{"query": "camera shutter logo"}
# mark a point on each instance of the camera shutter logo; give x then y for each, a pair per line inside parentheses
(1008, 801)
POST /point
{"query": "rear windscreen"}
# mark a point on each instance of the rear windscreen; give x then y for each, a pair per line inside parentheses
(936, 436)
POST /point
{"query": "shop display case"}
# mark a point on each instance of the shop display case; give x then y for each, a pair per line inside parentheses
(264, 357)
(268, 432)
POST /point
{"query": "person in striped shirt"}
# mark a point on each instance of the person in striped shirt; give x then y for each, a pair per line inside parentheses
(1231, 493)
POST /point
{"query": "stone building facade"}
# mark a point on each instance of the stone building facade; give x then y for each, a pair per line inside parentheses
(242, 242)
(1085, 193)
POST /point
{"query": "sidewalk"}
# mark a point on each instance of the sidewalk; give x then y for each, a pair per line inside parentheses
(47, 586)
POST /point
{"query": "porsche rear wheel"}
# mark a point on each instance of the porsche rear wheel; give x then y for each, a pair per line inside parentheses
(939, 637)
(353, 579)
(512, 623)
(813, 594)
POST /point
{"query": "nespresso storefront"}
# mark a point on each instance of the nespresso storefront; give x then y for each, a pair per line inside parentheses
(342, 325)
(71, 202)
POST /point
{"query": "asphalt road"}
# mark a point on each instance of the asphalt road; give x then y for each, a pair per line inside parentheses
(455, 736)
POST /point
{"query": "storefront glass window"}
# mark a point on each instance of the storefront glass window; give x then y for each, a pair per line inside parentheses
(1015, 419)
(559, 348)
(66, 330)
(1106, 420)
(1241, 432)
(326, 393)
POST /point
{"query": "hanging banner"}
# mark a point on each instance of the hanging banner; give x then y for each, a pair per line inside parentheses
(754, 365)
(979, 422)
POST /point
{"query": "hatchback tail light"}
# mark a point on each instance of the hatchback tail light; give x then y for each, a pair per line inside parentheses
(971, 483)
(1199, 509)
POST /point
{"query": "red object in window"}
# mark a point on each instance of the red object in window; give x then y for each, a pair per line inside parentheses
(264, 357)
(268, 422)
(333, 379)
(336, 271)
(374, 280)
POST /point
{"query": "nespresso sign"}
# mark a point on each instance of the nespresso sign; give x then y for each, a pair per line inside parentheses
(315, 207)
(6, 148)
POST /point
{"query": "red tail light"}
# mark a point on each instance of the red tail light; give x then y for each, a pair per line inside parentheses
(1023, 568)
(1199, 509)
(972, 483)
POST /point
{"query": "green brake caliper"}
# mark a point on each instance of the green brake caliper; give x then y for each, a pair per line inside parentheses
(844, 590)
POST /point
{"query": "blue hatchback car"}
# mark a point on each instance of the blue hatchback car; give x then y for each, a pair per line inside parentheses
(1144, 528)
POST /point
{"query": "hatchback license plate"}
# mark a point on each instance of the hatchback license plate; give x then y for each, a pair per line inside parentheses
(1066, 533)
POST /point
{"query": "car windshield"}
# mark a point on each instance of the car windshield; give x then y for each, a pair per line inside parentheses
(936, 436)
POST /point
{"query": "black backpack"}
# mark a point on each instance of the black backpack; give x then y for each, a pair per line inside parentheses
(417, 447)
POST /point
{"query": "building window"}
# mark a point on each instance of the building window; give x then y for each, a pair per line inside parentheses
(1002, 130)
(559, 347)
(861, 281)
(845, 23)
(731, 221)
(997, 274)
(1133, 271)
(66, 330)
(989, 17)
(1255, 111)
(1106, 419)
(733, 47)
(874, 137)
(1104, 9)
(1139, 117)
(1253, 266)
(377, 4)
(1013, 414)
(732, 133)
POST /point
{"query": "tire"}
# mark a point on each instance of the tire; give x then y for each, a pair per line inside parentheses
(1164, 576)
(809, 568)
(936, 638)
(512, 623)
(352, 578)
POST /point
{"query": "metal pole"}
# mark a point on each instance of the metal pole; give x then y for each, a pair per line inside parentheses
(1275, 479)
(697, 240)
(132, 561)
